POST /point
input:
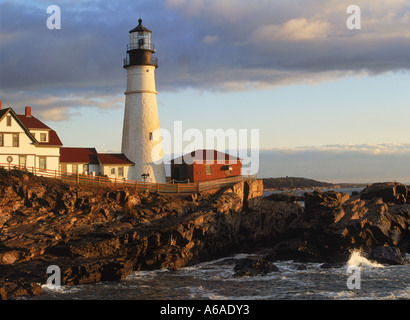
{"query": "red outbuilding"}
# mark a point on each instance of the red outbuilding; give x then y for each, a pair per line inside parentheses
(205, 165)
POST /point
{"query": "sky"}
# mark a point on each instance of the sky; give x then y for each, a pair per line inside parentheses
(328, 102)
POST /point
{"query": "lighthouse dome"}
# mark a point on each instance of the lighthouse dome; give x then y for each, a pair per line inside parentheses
(140, 38)
(140, 28)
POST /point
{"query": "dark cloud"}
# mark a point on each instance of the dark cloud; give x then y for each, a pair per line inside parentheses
(79, 65)
(225, 45)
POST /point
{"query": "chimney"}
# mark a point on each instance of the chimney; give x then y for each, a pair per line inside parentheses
(28, 111)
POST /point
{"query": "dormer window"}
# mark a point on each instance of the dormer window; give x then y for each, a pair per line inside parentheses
(43, 137)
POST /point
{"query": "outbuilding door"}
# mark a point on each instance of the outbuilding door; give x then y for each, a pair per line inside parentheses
(179, 173)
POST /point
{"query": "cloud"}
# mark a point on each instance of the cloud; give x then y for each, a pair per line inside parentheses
(272, 43)
(371, 149)
(220, 45)
(211, 39)
(294, 29)
(60, 105)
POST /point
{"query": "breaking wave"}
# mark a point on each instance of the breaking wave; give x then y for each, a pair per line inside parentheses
(357, 259)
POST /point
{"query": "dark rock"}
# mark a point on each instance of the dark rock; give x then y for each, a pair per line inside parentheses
(333, 224)
(390, 255)
(16, 289)
(330, 265)
(390, 192)
(252, 194)
(329, 200)
(289, 197)
(302, 267)
(249, 267)
(98, 234)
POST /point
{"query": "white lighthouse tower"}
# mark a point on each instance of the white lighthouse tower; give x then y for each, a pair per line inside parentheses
(141, 139)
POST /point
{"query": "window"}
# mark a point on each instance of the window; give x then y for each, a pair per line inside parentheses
(8, 121)
(151, 136)
(22, 161)
(42, 163)
(113, 171)
(16, 140)
(63, 168)
(85, 168)
(208, 171)
(228, 169)
(74, 168)
(43, 137)
(1, 140)
(120, 172)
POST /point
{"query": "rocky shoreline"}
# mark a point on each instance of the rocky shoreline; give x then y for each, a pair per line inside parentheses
(103, 234)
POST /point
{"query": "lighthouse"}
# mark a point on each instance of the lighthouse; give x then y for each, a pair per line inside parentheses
(141, 139)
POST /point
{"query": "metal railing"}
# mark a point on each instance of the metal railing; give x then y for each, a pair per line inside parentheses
(126, 61)
(135, 46)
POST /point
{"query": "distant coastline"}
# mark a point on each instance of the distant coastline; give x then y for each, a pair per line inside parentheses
(298, 183)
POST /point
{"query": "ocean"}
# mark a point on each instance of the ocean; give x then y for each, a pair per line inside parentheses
(214, 280)
(358, 279)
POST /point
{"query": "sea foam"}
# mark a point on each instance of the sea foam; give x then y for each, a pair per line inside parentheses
(357, 259)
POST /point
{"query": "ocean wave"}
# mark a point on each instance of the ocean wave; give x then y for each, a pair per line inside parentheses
(357, 260)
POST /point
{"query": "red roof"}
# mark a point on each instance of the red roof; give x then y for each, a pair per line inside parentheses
(30, 122)
(114, 158)
(78, 155)
(53, 140)
(205, 155)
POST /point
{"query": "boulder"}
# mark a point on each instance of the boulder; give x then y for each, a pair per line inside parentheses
(250, 267)
(15, 289)
(253, 194)
(324, 201)
(390, 255)
(289, 197)
(389, 192)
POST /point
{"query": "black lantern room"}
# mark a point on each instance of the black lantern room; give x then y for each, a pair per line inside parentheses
(140, 48)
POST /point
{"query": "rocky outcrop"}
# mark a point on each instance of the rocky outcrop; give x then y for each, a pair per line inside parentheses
(101, 234)
(390, 255)
(389, 192)
(333, 224)
(285, 196)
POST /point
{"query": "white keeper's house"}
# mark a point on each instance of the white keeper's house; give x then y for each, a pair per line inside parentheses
(27, 142)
